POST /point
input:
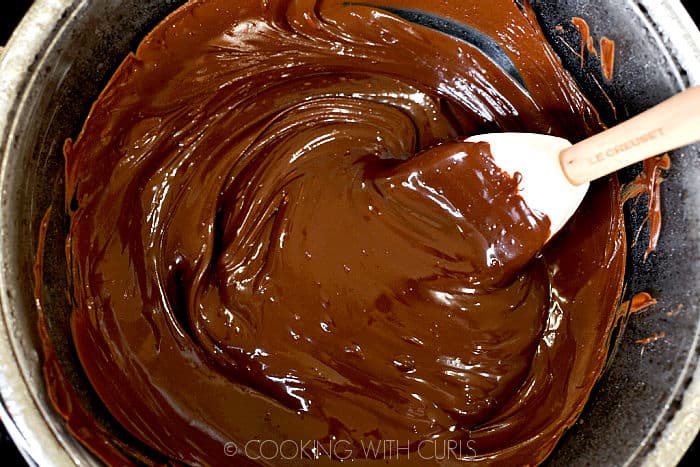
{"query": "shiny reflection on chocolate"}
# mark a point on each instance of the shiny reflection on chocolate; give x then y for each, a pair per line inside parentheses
(277, 233)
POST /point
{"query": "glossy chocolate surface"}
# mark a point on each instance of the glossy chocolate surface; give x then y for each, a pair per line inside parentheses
(276, 234)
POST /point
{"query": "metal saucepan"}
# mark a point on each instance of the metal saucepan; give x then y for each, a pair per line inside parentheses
(645, 409)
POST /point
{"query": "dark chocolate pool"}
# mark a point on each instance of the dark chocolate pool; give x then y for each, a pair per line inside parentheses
(667, 278)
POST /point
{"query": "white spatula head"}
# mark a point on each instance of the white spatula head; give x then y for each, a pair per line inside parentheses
(548, 164)
(543, 185)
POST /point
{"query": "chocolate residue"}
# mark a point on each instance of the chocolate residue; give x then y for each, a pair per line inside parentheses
(653, 338)
(638, 303)
(277, 233)
(591, 46)
(586, 39)
(607, 47)
(649, 182)
(676, 312)
(607, 57)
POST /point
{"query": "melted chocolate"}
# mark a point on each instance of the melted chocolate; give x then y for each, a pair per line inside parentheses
(606, 57)
(638, 303)
(648, 183)
(277, 234)
(586, 38)
(607, 48)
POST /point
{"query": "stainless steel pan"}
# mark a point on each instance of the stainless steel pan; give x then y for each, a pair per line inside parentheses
(646, 408)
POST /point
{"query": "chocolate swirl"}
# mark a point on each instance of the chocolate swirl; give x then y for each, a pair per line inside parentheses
(278, 233)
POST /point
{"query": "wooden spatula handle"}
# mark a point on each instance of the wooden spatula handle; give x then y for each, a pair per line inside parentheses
(669, 125)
